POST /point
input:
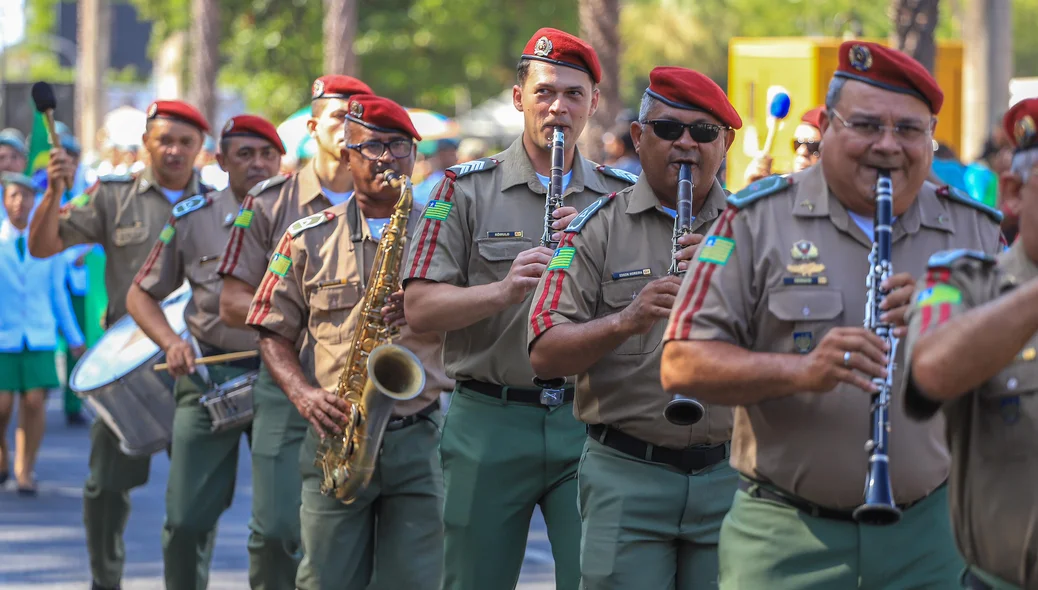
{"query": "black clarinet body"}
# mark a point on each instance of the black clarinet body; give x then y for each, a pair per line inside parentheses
(552, 391)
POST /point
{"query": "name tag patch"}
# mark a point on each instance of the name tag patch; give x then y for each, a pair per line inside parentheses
(626, 274)
(504, 234)
(805, 281)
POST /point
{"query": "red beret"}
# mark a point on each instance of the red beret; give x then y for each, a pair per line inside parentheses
(687, 89)
(560, 48)
(889, 69)
(338, 87)
(381, 114)
(813, 117)
(253, 126)
(178, 110)
(1019, 124)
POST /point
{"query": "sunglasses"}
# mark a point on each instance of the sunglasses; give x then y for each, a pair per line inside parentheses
(812, 146)
(672, 130)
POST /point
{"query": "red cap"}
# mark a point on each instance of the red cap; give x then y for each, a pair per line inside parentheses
(562, 49)
(338, 87)
(178, 110)
(381, 114)
(813, 117)
(253, 126)
(1019, 124)
(687, 89)
(889, 69)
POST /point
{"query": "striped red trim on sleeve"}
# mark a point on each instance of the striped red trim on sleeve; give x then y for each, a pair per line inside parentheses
(262, 303)
(423, 257)
(234, 243)
(541, 317)
(681, 326)
(153, 256)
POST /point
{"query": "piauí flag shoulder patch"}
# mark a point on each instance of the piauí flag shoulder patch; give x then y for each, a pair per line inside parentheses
(937, 294)
(167, 234)
(716, 250)
(244, 219)
(280, 264)
(563, 258)
(438, 210)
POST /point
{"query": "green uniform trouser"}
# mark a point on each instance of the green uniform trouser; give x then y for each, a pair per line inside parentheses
(647, 525)
(766, 544)
(277, 435)
(73, 405)
(994, 582)
(202, 471)
(391, 536)
(500, 459)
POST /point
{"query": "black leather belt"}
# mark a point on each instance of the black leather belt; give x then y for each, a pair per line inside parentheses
(685, 460)
(249, 364)
(423, 414)
(971, 582)
(518, 394)
(765, 491)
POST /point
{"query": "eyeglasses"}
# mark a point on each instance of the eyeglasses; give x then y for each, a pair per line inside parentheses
(672, 130)
(374, 150)
(873, 131)
(812, 146)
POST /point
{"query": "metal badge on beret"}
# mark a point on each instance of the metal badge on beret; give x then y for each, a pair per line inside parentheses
(318, 89)
(543, 47)
(356, 109)
(1024, 131)
(154, 108)
(860, 58)
(228, 126)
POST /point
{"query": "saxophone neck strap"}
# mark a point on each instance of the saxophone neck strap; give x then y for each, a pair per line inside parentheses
(355, 221)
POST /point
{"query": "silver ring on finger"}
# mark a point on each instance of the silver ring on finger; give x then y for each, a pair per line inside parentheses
(847, 359)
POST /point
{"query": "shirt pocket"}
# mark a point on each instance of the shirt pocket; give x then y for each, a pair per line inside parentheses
(330, 309)
(494, 257)
(616, 296)
(805, 316)
(1008, 412)
(130, 234)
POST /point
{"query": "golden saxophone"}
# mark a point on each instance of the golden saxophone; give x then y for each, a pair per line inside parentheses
(377, 373)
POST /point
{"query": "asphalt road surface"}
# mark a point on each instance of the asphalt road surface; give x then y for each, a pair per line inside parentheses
(42, 544)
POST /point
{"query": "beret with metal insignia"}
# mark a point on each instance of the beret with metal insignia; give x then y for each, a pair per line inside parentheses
(688, 89)
(889, 69)
(253, 126)
(562, 49)
(178, 110)
(336, 86)
(381, 114)
(1019, 124)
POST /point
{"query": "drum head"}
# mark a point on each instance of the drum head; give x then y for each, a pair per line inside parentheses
(124, 346)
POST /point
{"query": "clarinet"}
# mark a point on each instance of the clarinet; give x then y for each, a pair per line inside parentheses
(878, 507)
(681, 410)
(552, 392)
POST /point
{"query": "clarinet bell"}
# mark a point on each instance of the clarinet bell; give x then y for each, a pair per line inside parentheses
(879, 508)
(683, 411)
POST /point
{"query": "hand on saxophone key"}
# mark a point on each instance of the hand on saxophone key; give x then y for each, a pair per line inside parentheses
(393, 312)
(322, 409)
(691, 246)
(845, 355)
(898, 301)
(564, 215)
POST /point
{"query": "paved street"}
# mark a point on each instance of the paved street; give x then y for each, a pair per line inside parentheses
(42, 543)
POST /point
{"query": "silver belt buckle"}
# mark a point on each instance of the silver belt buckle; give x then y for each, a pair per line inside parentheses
(552, 397)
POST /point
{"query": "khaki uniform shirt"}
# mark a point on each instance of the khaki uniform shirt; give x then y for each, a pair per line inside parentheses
(314, 288)
(189, 247)
(623, 246)
(993, 430)
(773, 277)
(484, 214)
(124, 214)
(266, 212)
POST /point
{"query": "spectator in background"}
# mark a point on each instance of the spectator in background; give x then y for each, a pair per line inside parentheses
(210, 171)
(619, 149)
(807, 147)
(947, 169)
(472, 148)
(981, 177)
(442, 157)
(33, 303)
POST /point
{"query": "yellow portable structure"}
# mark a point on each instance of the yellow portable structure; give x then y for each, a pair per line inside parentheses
(804, 66)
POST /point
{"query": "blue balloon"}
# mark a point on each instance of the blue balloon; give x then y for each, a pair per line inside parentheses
(779, 107)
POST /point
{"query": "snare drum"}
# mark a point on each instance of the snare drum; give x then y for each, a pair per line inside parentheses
(230, 403)
(117, 379)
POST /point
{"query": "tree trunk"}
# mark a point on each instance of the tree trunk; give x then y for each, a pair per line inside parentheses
(599, 26)
(205, 58)
(340, 29)
(914, 24)
(987, 69)
(93, 53)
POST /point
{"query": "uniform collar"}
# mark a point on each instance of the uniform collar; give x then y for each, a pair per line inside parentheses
(643, 198)
(1016, 262)
(146, 180)
(309, 185)
(519, 170)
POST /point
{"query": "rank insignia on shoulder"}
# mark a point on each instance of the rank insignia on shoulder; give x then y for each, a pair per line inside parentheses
(193, 204)
(264, 185)
(563, 258)
(280, 264)
(946, 258)
(438, 210)
(308, 222)
(618, 173)
(115, 178)
(467, 168)
(578, 222)
(716, 250)
(954, 194)
(760, 189)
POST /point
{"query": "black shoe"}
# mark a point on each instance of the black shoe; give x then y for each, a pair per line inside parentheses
(96, 586)
(77, 419)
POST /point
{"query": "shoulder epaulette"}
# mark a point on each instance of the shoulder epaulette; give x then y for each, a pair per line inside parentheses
(264, 185)
(947, 258)
(758, 190)
(193, 204)
(578, 222)
(481, 165)
(115, 178)
(307, 222)
(954, 194)
(618, 173)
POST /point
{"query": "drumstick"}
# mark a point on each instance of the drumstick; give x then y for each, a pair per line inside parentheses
(216, 358)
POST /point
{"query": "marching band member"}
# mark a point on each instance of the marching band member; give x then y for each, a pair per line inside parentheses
(125, 215)
(971, 344)
(652, 494)
(807, 145)
(769, 320)
(277, 427)
(508, 446)
(313, 292)
(203, 462)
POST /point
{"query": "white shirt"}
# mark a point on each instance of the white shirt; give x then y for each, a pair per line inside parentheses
(376, 226)
(172, 196)
(565, 179)
(866, 224)
(337, 198)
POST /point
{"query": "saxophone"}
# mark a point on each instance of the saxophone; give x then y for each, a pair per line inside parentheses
(377, 373)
